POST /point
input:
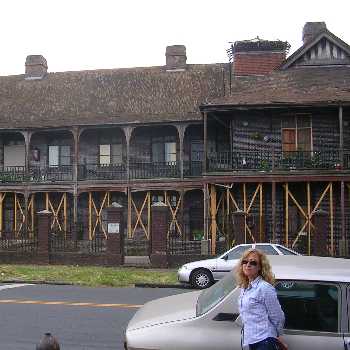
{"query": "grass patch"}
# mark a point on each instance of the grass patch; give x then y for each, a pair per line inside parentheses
(86, 275)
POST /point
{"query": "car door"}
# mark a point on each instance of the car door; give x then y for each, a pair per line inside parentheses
(226, 262)
(313, 314)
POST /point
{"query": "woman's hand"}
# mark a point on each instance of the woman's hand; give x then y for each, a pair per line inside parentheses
(283, 342)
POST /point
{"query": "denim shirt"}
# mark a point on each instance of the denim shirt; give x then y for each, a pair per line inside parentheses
(260, 311)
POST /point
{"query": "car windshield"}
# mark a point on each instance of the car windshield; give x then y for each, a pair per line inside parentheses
(213, 295)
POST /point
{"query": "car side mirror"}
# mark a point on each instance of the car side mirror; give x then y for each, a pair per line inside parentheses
(238, 321)
(225, 257)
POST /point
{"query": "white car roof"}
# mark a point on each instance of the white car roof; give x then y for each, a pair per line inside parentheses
(312, 268)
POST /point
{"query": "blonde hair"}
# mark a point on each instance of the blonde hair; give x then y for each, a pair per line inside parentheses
(265, 269)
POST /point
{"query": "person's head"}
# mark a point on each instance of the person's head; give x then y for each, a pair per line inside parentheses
(253, 263)
(48, 342)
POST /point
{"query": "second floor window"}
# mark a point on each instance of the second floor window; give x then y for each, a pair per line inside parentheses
(297, 134)
(163, 152)
(59, 155)
(110, 154)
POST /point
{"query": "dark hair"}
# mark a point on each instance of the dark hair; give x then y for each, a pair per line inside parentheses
(48, 342)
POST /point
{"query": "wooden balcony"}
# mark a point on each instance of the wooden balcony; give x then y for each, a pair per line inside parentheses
(271, 160)
(13, 174)
(50, 174)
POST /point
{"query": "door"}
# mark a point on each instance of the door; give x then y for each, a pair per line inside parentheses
(313, 314)
(229, 260)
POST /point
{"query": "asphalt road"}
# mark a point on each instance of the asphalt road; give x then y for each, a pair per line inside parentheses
(80, 318)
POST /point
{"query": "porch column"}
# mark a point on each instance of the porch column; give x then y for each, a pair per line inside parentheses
(115, 229)
(205, 137)
(159, 256)
(27, 136)
(76, 135)
(26, 212)
(238, 224)
(319, 242)
(181, 131)
(341, 136)
(75, 214)
(128, 132)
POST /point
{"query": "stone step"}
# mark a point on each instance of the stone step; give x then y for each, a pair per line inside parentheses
(136, 261)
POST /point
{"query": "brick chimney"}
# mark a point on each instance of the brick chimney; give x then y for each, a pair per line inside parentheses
(311, 29)
(257, 56)
(175, 57)
(36, 67)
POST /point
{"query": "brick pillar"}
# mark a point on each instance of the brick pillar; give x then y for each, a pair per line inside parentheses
(44, 225)
(319, 239)
(238, 225)
(159, 229)
(115, 229)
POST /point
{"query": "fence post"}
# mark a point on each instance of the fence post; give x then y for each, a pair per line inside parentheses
(238, 224)
(44, 225)
(115, 229)
(319, 241)
(159, 257)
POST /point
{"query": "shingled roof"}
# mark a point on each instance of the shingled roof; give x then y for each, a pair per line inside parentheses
(300, 86)
(116, 96)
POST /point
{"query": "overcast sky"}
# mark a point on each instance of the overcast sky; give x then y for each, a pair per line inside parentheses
(98, 34)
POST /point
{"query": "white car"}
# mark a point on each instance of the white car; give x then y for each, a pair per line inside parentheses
(203, 273)
(314, 293)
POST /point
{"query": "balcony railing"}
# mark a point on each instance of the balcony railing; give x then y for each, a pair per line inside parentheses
(12, 174)
(141, 170)
(102, 172)
(268, 160)
(54, 173)
(193, 168)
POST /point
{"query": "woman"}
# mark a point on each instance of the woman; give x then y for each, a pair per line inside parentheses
(260, 310)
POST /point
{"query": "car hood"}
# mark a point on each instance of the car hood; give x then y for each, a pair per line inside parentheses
(165, 310)
(208, 263)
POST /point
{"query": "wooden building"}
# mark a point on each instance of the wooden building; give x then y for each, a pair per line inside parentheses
(263, 134)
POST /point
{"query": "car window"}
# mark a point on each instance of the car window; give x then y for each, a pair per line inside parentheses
(213, 295)
(309, 306)
(285, 251)
(267, 249)
(237, 252)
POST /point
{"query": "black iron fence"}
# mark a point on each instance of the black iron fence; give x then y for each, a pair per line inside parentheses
(58, 243)
(136, 247)
(18, 242)
(268, 160)
(180, 246)
(10, 174)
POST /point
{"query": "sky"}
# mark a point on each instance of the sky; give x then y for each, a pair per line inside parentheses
(104, 34)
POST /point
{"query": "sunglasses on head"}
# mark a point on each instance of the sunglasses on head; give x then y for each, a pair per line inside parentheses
(250, 262)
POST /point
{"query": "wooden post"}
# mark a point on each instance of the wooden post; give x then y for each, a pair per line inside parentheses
(129, 213)
(15, 214)
(90, 216)
(309, 217)
(205, 211)
(261, 214)
(75, 215)
(213, 218)
(205, 137)
(286, 214)
(245, 211)
(181, 132)
(65, 214)
(343, 246)
(273, 210)
(128, 132)
(331, 217)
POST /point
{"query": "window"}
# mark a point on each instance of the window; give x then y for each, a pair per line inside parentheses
(309, 306)
(105, 154)
(237, 252)
(267, 249)
(170, 152)
(285, 251)
(59, 155)
(296, 134)
(111, 154)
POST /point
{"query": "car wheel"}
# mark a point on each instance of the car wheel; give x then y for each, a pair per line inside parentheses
(201, 279)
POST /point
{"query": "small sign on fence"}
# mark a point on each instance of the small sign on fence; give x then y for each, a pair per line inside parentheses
(113, 227)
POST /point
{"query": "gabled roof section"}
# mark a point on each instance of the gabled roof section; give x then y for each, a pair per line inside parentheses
(325, 49)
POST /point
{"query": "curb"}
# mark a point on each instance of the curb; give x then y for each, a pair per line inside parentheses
(39, 282)
(159, 285)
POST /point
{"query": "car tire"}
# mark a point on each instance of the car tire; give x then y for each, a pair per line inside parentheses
(201, 279)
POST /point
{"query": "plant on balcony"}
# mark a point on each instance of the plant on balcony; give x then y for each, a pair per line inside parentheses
(198, 235)
(264, 165)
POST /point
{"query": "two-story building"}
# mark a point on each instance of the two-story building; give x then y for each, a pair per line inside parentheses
(264, 135)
